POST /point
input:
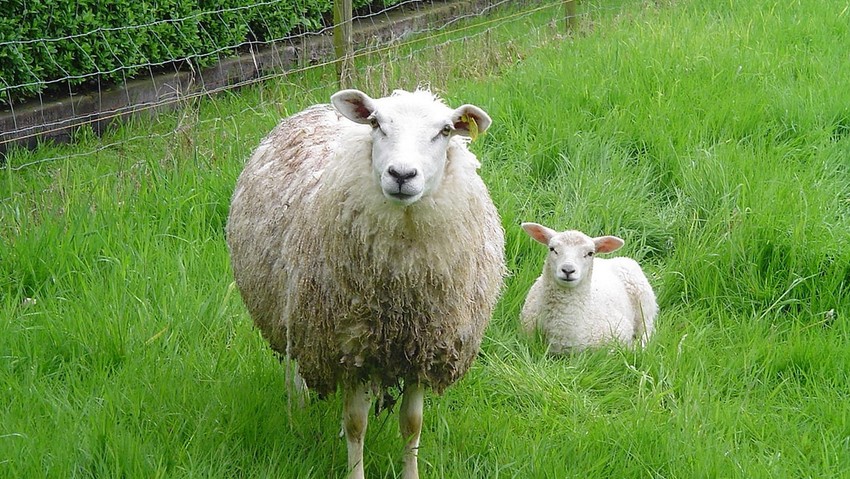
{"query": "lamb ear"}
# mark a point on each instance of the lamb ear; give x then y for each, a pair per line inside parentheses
(540, 233)
(607, 244)
(471, 121)
(354, 105)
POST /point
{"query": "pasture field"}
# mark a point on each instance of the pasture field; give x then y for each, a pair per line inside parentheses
(713, 136)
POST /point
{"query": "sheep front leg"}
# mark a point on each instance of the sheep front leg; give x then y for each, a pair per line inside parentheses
(354, 418)
(410, 424)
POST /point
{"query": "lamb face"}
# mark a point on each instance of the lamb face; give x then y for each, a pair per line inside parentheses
(410, 138)
(570, 259)
(571, 253)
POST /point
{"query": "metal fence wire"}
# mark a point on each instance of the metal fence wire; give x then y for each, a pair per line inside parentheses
(45, 109)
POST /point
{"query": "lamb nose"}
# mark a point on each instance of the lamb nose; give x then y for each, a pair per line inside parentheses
(568, 270)
(401, 175)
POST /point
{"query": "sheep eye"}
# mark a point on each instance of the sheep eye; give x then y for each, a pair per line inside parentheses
(373, 122)
(552, 250)
(446, 131)
(590, 253)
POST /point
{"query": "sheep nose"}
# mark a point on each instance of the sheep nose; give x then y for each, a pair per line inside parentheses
(402, 175)
(568, 270)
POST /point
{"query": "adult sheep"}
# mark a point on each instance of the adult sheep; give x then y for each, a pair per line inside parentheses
(367, 248)
(581, 300)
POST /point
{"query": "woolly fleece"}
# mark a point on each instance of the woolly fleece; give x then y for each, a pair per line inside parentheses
(612, 302)
(353, 287)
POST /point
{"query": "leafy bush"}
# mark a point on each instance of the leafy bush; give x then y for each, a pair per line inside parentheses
(49, 45)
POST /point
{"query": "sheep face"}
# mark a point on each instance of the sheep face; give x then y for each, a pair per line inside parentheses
(571, 253)
(411, 134)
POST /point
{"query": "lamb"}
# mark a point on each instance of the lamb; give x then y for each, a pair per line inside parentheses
(367, 248)
(581, 301)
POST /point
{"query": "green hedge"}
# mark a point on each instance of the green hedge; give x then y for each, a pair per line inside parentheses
(54, 45)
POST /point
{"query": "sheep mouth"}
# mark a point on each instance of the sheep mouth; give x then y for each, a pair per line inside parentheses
(403, 198)
(567, 280)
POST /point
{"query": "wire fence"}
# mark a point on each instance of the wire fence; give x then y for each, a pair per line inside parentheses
(394, 34)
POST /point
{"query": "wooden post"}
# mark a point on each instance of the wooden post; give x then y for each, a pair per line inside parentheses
(571, 20)
(342, 42)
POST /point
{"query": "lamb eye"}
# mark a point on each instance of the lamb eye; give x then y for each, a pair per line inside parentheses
(590, 253)
(446, 131)
(373, 122)
(552, 250)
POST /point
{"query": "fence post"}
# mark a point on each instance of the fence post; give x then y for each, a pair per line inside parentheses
(342, 42)
(570, 17)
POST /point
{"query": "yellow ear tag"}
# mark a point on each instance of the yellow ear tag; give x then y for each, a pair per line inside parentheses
(473, 127)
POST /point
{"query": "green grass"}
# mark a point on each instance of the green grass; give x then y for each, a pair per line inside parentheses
(714, 137)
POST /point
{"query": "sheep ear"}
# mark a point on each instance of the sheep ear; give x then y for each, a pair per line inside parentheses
(471, 121)
(354, 105)
(607, 244)
(540, 233)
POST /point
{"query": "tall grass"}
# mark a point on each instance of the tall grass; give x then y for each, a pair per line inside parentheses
(714, 137)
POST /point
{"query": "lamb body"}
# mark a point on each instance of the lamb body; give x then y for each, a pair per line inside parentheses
(367, 248)
(580, 300)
